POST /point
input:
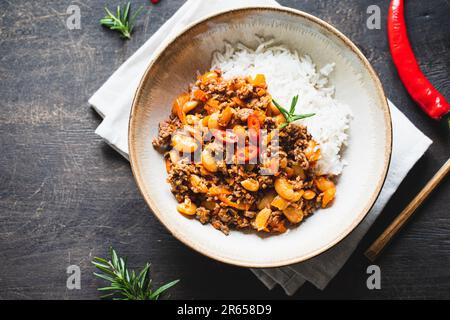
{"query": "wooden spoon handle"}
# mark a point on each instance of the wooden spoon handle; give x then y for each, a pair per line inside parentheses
(380, 243)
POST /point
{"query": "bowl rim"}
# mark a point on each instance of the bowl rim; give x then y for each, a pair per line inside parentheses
(236, 261)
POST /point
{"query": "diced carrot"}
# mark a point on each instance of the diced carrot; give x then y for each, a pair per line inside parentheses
(238, 101)
(168, 164)
(261, 92)
(228, 202)
(312, 151)
(200, 95)
(216, 191)
(205, 121)
(211, 106)
(226, 116)
(260, 115)
(259, 81)
(177, 107)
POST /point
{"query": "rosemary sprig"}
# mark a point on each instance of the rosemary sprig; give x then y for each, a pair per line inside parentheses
(121, 22)
(126, 284)
(289, 115)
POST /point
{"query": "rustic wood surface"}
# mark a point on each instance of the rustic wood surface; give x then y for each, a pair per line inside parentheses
(382, 242)
(66, 196)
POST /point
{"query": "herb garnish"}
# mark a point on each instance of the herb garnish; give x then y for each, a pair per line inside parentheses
(125, 284)
(121, 22)
(290, 116)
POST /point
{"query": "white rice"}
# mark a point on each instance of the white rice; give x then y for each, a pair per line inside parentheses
(287, 75)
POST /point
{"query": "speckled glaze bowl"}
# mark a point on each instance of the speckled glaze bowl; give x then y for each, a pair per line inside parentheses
(368, 153)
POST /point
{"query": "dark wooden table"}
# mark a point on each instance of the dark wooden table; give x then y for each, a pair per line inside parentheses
(66, 196)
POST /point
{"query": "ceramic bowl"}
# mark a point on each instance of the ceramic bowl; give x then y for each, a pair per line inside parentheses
(368, 153)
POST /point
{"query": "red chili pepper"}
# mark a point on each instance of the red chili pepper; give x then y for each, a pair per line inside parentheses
(248, 153)
(254, 127)
(225, 136)
(154, 1)
(418, 86)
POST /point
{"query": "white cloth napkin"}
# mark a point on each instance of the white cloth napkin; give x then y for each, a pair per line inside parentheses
(113, 102)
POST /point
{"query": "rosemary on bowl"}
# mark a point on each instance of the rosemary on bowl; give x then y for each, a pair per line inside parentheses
(122, 22)
(289, 115)
(126, 284)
